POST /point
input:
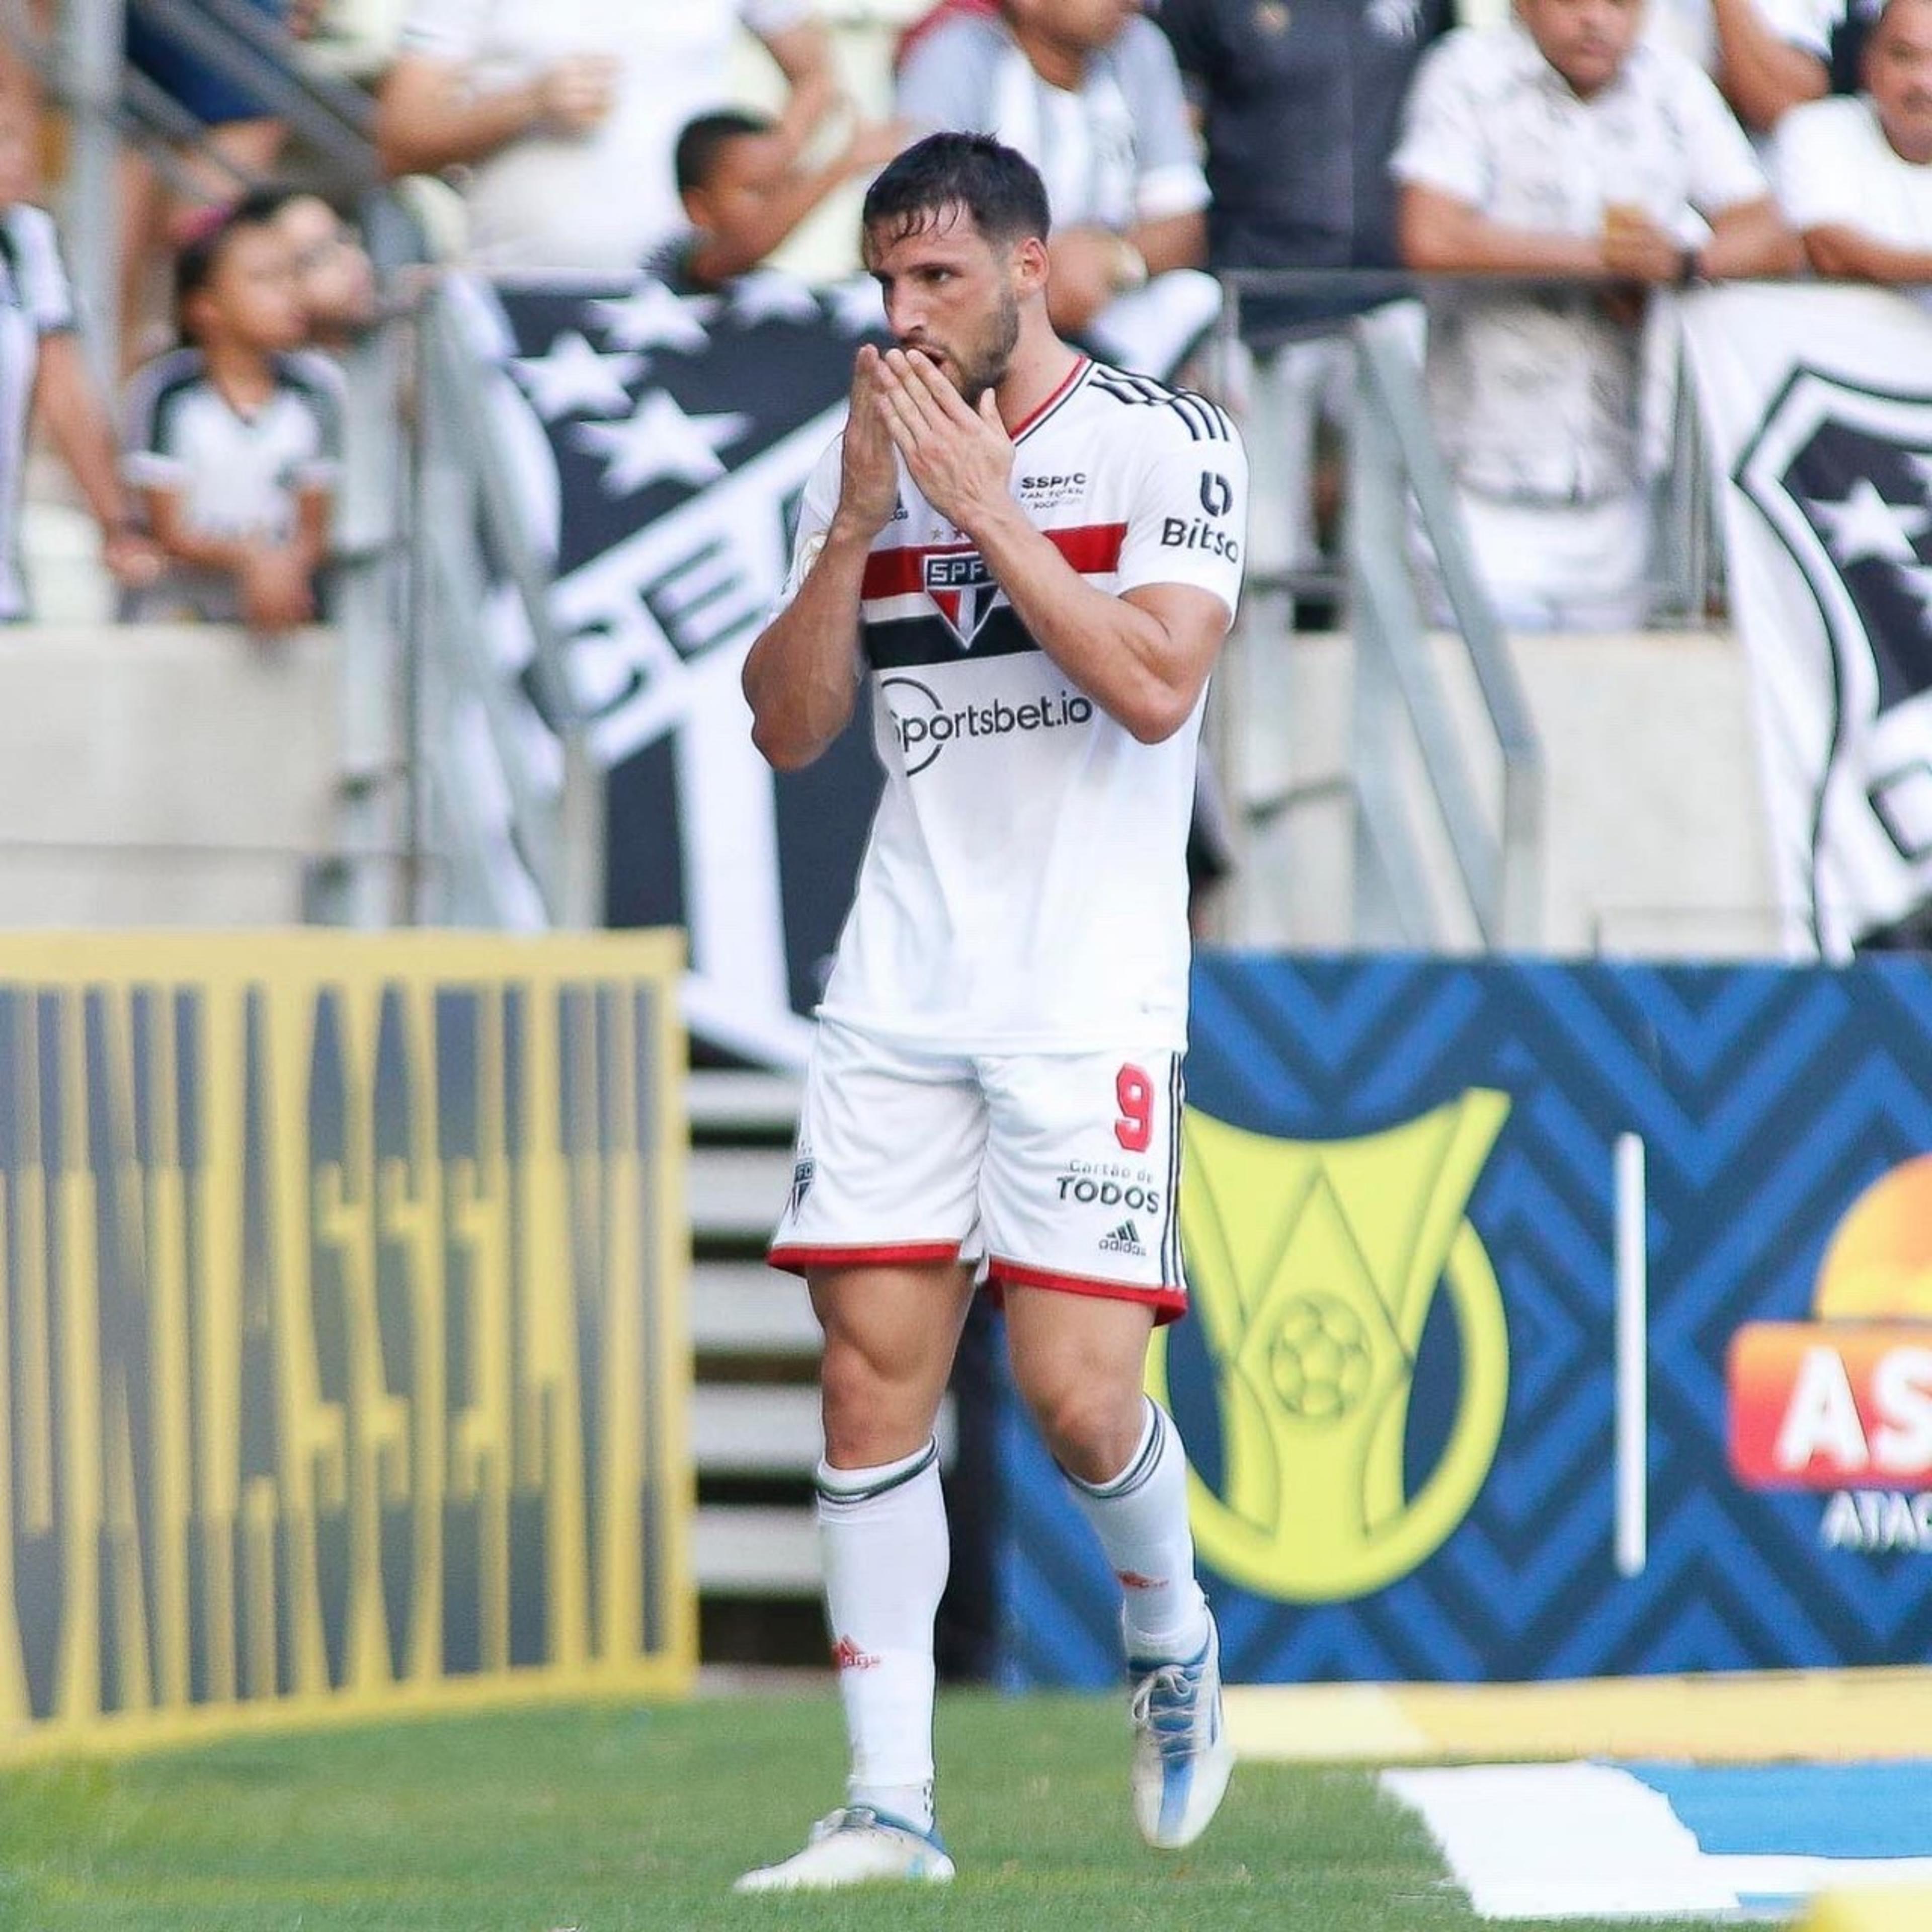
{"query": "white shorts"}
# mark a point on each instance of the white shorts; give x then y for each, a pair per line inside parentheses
(1055, 1170)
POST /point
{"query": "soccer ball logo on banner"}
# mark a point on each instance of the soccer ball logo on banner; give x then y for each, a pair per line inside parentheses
(1314, 1268)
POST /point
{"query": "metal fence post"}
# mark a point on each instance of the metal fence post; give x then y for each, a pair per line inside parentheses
(89, 46)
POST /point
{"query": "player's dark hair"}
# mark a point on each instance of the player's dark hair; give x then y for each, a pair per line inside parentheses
(199, 258)
(705, 138)
(1001, 189)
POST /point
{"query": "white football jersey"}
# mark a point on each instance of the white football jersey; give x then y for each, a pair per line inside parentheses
(1025, 889)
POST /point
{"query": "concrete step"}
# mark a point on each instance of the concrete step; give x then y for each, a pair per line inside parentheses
(724, 1103)
(756, 1551)
(745, 1308)
(736, 1192)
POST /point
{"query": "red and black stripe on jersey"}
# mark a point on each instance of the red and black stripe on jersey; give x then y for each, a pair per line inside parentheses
(966, 617)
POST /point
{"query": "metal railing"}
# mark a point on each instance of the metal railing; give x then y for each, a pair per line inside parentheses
(81, 66)
(470, 534)
(1404, 728)
(1395, 460)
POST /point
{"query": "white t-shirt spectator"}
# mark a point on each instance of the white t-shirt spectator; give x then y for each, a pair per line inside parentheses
(1119, 150)
(34, 301)
(603, 201)
(1834, 168)
(1811, 24)
(1537, 394)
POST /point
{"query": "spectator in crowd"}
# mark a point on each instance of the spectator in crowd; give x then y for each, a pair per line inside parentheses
(243, 140)
(1775, 55)
(1561, 148)
(566, 117)
(26, 25)
(1854, 174)
(335, 281)
(1088, 91)
(1300, 107)
(234, 440)
(43, 372)
(743, 201)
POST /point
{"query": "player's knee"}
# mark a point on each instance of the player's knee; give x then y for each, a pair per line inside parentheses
(868, 1418)
(1090, 1428)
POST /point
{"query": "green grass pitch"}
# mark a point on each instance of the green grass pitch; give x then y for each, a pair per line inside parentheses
(636, 1819)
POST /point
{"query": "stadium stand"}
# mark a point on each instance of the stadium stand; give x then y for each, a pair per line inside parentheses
(1640, 737)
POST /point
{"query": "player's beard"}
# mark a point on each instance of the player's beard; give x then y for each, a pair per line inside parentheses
(988, 366)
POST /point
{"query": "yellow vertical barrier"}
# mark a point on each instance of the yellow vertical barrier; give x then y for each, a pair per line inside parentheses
(343, 1366)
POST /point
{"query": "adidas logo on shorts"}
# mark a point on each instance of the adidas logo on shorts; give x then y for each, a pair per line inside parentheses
(1125, 1240)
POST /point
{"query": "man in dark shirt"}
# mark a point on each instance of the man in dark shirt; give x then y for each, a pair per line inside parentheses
(1300, 103)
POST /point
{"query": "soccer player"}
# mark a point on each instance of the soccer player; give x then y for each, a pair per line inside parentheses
(1031, 559)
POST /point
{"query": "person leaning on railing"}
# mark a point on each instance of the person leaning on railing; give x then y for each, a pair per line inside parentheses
(1299, 108)
(564, 119)
(1087, 91)
(1854, 173)
(44, 373)
(1562, 148)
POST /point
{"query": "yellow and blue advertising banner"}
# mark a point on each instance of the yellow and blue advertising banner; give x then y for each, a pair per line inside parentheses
(343, 1367)
(1548, 1321)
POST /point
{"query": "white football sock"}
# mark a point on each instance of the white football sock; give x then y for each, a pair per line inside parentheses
(1141, 1518)
(883, 1535)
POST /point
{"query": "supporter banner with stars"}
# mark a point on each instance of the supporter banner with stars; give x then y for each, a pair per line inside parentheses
(663, 442)
(1817, 404)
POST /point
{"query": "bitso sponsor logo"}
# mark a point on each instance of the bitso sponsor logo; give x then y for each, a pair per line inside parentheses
(925, 727)
(1198, 533)
(1313, 1268)
(1217, 493)
(1842, 1404)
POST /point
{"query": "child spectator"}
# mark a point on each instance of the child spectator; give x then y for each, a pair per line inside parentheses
(743, 200)
(234, 440)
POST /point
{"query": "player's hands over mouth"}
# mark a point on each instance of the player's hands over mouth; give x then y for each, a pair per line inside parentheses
(869, 480)
(962, 459)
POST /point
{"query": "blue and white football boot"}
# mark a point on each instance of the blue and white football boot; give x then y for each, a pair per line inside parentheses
(1182, 1758)
(855, 1845)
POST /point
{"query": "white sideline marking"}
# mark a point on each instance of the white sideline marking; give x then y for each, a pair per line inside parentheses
(1593, 1841)
(1562, 1840)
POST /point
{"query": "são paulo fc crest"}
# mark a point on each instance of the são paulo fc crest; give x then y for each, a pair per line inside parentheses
(958, 582)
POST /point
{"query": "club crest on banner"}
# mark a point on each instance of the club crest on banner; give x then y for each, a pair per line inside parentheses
(1816, 403)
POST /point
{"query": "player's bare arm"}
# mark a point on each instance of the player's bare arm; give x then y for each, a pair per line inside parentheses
(802, 675)
(1143, 657)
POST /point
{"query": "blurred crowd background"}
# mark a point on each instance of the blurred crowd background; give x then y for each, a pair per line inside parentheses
(221, 217)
